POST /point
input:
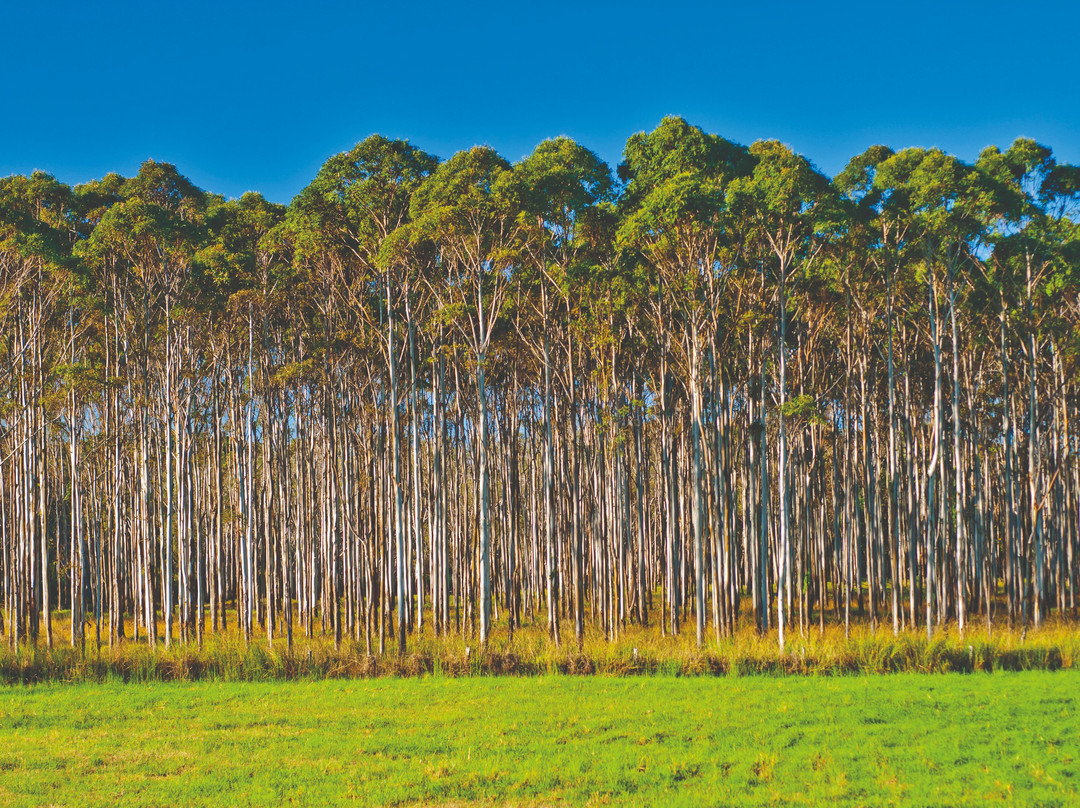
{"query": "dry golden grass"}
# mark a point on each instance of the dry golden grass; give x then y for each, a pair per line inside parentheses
(636, 650)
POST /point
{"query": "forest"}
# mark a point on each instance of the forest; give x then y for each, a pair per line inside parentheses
(713, 387)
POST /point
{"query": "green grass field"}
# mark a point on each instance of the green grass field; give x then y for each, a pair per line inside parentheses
(907, 739)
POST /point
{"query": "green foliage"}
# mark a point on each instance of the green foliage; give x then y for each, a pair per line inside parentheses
(358, 199)
(675, 197)
(467, 196)
(805, 409)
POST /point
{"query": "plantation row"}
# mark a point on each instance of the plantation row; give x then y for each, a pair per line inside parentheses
(428, 396)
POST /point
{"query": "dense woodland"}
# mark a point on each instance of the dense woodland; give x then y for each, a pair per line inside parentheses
(455, 396)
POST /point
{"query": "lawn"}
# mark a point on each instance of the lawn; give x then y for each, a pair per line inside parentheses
(905, 739)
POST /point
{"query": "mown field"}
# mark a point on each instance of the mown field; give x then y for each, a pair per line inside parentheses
(905, 739)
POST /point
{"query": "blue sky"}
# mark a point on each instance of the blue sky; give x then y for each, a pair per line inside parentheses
(255, 96)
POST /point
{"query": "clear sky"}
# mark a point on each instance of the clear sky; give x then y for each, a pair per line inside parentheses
(256, 95)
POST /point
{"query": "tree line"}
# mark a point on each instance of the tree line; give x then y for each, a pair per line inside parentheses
(443, 396)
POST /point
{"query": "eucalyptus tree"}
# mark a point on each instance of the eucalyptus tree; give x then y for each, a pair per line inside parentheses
(941, 200)
(245, 276)
(1031, 212)
(900, 253)
(357, 202)
(789, 203)
(880, 225)
(465, 210)
(676, 219)
(559, 189)
(102, 279)
(155, 231)
(949, 223)
(35, 241)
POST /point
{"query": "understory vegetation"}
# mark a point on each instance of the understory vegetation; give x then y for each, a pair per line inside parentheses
(638, 651)
(845, 741)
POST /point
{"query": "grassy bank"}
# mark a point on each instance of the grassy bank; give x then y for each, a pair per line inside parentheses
(899, 740)
(637, 651)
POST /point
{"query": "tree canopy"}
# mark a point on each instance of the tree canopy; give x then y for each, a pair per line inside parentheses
(477, 390)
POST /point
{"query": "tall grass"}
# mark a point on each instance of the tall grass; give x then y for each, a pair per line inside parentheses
(636, 651)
